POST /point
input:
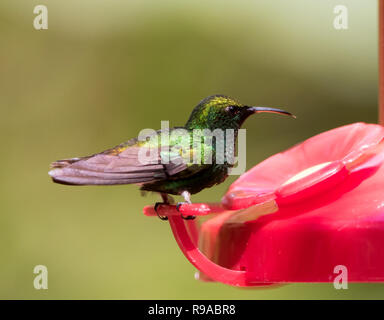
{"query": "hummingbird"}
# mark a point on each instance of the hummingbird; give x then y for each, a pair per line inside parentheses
(170, 170)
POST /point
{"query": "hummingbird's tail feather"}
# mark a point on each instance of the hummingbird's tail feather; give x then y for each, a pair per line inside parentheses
(110, 169)
(71, 176)
(65, 162)
(120, 165)
(101, 170)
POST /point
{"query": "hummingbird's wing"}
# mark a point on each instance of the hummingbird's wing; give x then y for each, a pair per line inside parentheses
(124, 164)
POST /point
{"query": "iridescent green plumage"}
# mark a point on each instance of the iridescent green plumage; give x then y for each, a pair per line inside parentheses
(172, 170)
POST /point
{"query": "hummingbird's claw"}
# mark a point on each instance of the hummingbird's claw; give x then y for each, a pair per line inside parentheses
(188, 217)
(157, 204)
(179, 204)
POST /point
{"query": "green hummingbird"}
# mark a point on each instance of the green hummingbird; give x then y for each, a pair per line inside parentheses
(170, 169)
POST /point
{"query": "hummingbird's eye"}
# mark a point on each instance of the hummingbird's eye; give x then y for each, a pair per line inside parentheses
(231, 109)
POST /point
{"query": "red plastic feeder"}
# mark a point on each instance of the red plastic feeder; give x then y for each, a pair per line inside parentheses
(296, 215)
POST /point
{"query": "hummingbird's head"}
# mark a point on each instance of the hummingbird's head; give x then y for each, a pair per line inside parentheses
(223, 112)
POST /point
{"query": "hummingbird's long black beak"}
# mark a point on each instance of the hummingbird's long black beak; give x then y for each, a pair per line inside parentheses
(270, 110)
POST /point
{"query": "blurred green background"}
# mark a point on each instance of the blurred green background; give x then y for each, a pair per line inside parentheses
(103, 71)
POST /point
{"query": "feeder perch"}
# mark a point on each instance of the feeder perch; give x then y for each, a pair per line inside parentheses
(295, 216)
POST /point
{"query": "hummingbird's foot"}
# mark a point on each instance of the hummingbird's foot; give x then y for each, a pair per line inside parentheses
(188, 217)
(187, 198)
(157, 204)
(167, 200)
(179, 204)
